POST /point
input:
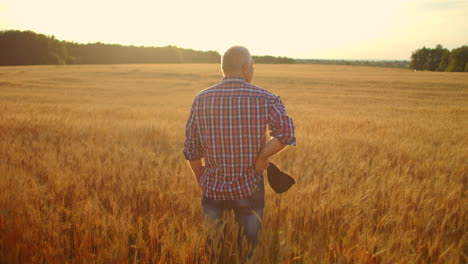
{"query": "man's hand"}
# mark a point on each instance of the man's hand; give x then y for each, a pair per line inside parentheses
(261, 164)
(197, 169)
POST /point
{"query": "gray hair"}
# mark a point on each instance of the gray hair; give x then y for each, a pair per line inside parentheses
(234, 58)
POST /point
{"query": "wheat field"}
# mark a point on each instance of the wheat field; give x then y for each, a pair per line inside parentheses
(92, 169)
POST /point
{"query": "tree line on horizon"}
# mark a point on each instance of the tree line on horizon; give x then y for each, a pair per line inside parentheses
(372, 63)
(30, 48)
(440, 59)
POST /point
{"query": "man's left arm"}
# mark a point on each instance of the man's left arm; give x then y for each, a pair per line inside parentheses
(192, 147)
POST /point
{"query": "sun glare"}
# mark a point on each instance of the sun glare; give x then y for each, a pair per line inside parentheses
(301, 29)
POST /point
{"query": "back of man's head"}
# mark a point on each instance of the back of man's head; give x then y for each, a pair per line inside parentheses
(234, 58)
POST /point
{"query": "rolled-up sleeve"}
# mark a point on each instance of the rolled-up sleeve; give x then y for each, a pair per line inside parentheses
(280, 124)
(192, 145)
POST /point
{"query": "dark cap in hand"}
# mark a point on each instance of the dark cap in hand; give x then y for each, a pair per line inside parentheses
(279, 181)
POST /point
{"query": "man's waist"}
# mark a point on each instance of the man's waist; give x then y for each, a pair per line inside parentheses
(227, 174)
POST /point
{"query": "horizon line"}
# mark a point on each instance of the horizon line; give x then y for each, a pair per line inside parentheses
(253, 55)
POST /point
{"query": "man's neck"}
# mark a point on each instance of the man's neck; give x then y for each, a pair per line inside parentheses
(235, 76)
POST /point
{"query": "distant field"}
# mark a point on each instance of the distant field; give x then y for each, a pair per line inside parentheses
(92, 169)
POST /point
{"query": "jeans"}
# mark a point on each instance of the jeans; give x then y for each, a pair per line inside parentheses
(248, 212)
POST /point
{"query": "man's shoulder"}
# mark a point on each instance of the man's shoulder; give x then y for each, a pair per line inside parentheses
(262, 91)
(244, 89)
(207, 91)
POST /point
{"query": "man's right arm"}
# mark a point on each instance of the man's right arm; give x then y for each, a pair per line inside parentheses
(282, 131)
(271, 148)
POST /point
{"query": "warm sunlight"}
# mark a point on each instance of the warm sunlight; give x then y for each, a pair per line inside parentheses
(363, 29)
(249, 131)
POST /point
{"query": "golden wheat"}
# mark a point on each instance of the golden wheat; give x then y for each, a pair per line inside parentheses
(92, 170)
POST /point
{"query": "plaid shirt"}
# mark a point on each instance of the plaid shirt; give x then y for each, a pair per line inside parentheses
(227, 128)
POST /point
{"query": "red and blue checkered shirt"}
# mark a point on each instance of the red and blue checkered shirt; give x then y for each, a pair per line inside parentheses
(227, 128)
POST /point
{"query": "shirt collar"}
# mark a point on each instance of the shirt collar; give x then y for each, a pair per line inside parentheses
(232, 78)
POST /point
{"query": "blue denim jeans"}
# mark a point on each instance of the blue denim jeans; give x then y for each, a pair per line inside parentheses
(248, 212)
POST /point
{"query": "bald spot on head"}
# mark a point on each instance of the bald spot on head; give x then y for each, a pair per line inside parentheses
(233, 59)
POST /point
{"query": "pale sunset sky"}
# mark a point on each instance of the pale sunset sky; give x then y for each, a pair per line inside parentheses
(334, 29)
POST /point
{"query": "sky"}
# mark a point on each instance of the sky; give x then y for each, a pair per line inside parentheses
(308, 29)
